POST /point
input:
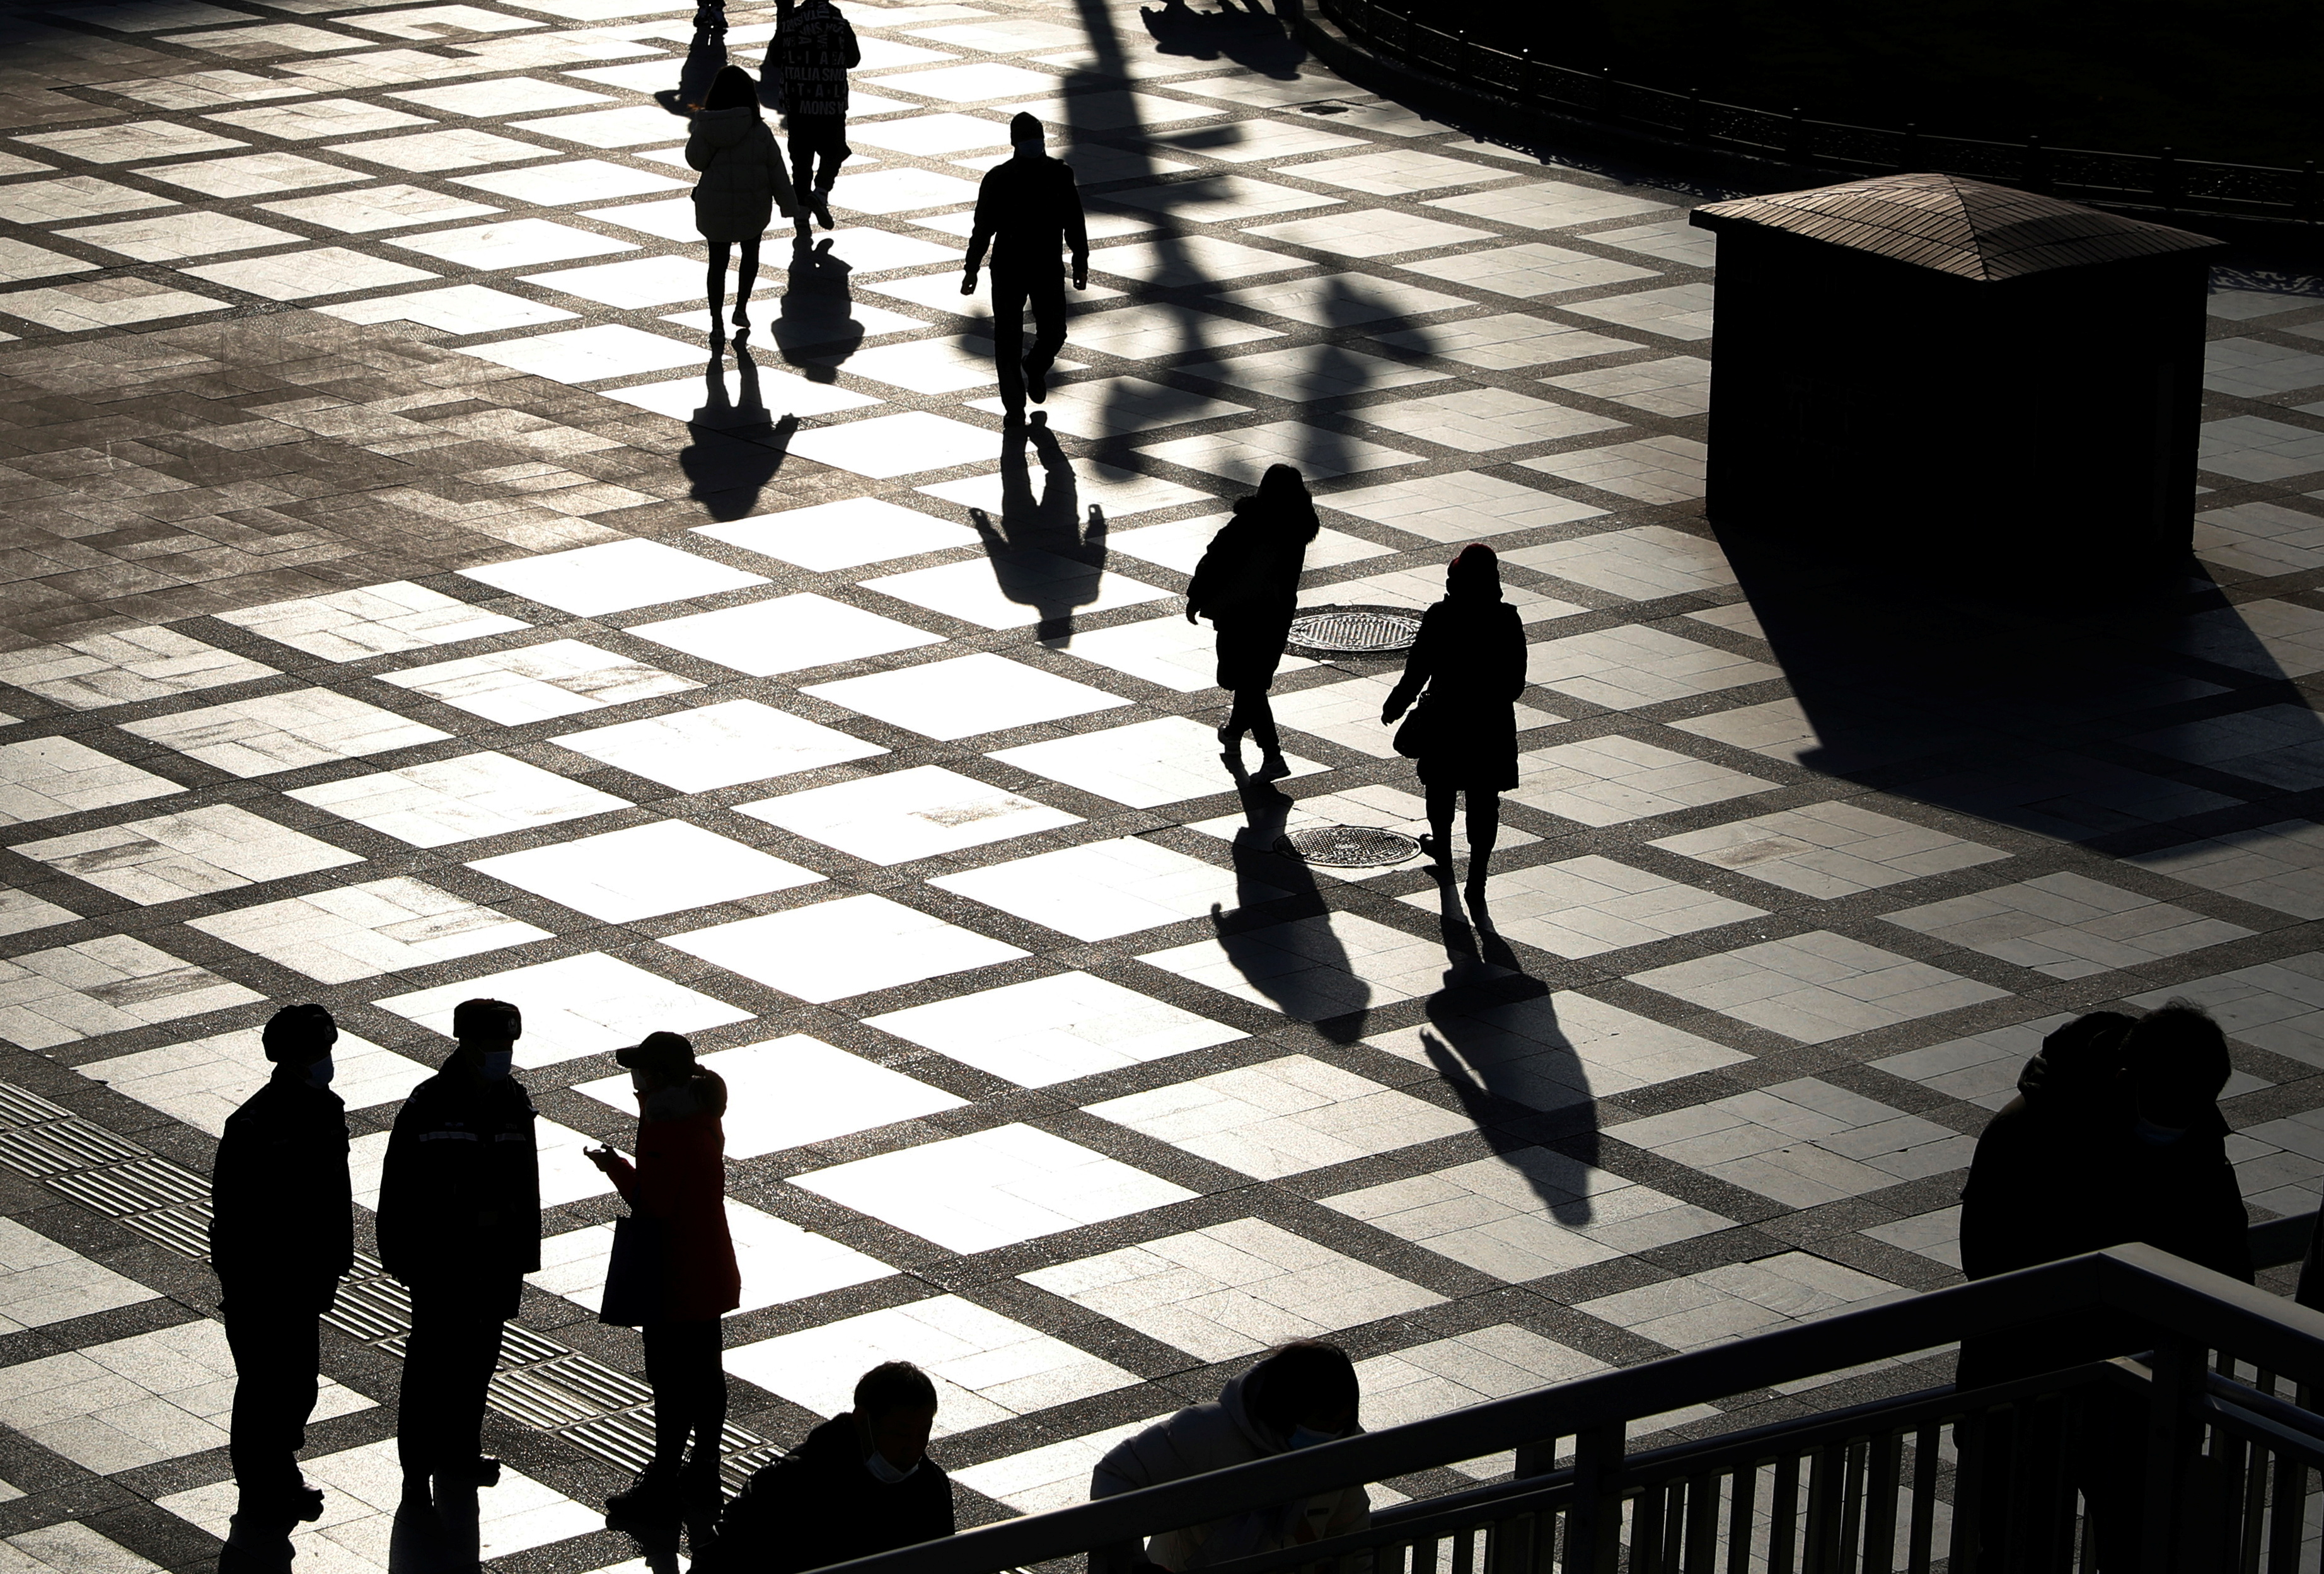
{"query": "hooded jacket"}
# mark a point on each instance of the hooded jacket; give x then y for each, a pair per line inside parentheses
(1205, 1438)
(1251, 570)
(459, 1196)
(822, 1505)
(743, 180)
(282, 1223)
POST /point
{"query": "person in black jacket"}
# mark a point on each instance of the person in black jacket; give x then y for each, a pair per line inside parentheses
(281, 1235)
(1470, 655)
(812, 51)
(861, 1483)
(1247, 585)
(1027, 208)
(459, 1223)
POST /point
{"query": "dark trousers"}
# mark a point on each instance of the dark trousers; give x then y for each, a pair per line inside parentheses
(684, 1364)
(454, 1344)
(273, 1338)
(818, 146)
(1043, 289)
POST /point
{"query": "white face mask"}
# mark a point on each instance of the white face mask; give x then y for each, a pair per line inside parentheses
(320, 1071)
(877, 1463)
(494, 1065)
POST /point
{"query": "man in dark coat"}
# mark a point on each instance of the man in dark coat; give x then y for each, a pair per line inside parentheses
(459, 1223)
(1028, 209)
(281, 1235)
(861, 1483)
(812, 51)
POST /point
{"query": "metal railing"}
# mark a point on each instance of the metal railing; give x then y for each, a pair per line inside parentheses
(2206, 1439)
(2162, 180)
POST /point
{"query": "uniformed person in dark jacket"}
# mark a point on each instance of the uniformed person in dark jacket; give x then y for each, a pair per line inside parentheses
(861, 1483)
(459, 1223)
(281, 1235)
(1028, 210)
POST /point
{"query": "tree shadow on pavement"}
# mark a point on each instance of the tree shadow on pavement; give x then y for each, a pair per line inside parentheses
(1247, 35)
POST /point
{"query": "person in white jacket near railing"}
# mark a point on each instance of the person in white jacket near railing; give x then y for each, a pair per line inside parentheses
(1296, 1395)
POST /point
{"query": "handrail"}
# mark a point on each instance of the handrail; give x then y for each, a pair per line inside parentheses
(2162, 180)
(2175, 1296)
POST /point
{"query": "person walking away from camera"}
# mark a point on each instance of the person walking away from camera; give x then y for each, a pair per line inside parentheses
(813, 50)
(861, 1483)
(674, 1276)
(1028, 210)
(743, 183)
(1247, 585)
(281, 1235)
(1469, 658)
(1296, 1395)
(459, 1224)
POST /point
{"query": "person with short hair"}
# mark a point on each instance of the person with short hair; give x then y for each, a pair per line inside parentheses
(1294, 1396)
(861, 1483)
(743, 183)
(1028, 209)
(281, 1235)
(812, 51)
(2182, 1196)
(459, 1224)
(676, 1276)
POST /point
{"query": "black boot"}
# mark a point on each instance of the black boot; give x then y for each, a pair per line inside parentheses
(652, 1499)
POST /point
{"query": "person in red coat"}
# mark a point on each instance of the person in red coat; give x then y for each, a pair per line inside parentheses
(673, 1274)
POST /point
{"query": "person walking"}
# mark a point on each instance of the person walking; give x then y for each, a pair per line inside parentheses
(459, 1224)
(743, 183)
(1247, 585)
(861, 1483)
(1028, 209)
(281, 1235)
(1469, 656)
(812, 51)
(1296, 1395)
(673, 1274)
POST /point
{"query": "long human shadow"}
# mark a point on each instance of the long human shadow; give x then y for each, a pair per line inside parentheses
(1311, 993)
(1035, 530)
(1248, 36)
(736, 448)
(2124, 724)
(815, 329)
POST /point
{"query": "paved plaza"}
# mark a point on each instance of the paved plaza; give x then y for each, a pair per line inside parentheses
(403, 603)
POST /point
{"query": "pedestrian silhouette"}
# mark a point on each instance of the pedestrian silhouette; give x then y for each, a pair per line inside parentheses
(743, 182)
(281, 1235)
(459, 1224)
(1296, 1395)
(705, 57)
(1028, 209)
(1247, 585)
(861, 1483)
(1463, 734)
(673, 1274)
(813, 50)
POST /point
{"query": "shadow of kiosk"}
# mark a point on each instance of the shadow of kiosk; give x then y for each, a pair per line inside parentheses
(1945, 378)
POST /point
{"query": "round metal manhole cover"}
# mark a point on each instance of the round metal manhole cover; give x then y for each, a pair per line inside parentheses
(1349, 846)
(1342, 629)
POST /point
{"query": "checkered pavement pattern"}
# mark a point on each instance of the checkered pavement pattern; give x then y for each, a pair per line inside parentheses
(407, 602)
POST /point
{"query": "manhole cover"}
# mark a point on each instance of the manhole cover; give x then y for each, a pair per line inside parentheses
(1343, 629)
(1349, 846)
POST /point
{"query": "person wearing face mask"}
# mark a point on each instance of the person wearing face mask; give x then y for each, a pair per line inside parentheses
(1296, 1395)
(861, 1483)
(1027, 208)
(459, 1224)
(282, 1235)
(676, 1276)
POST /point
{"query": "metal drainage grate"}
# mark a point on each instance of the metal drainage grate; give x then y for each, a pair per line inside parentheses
(1344, 629)
(1349, 846)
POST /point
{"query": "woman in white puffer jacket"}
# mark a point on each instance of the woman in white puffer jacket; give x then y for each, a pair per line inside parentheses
(1296, 1395)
